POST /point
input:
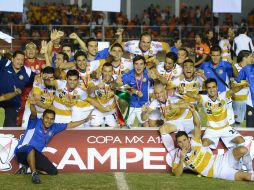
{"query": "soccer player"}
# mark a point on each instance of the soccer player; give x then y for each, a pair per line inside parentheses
(103, 90)
(194, 156)
(172, 110)
(86, 69)
(36, 137)
(222, 71)
(145, 46)
(139, 81)
(71, 102)
(217, 125)
(43, 94)
(246, 73)
(120, 64)
(169, 69)
(191, 82)
(244, 58)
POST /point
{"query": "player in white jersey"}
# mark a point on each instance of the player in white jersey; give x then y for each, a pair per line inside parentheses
(103, 90)
(192, 81)
(172, 110)
(120, 64)
(169, 68)
(165, 71)
(86, 69)
(145, 46)
(194, 156)
(239, 99)
(42, 93)
(71, 102)
(217, 125)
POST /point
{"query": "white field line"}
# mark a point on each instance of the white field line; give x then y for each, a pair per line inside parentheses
(120, 181)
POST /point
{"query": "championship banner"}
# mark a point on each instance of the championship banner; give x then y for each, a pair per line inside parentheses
(91, 150)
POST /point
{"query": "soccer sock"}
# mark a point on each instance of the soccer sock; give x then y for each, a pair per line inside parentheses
(168, 142)
(252, 176)
(247, 161)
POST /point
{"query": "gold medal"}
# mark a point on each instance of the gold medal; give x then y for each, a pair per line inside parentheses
(249, 113)
(144, 79)
(220, 71)
(21, 77)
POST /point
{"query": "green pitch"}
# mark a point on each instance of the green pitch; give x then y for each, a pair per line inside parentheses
(106, 181)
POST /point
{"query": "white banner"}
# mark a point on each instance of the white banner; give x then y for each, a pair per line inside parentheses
(106, 5)
(227, 6)
(11, 5)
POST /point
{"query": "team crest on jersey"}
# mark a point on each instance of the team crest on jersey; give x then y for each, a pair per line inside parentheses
(220, 71)
(174, 71)
(150, 53)
(21, 77)
(50, 133)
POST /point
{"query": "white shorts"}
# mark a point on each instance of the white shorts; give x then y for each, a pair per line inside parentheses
(134, 112)
(63, 119)
(230, 113)
(224, 166)
(78, 114)
(226, 134)
(100, 118)
(239, 110)
(183, 125)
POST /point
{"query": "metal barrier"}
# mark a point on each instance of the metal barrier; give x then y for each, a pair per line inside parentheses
(25, 32)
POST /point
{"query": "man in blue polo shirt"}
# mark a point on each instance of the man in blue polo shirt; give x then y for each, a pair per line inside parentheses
(13, 73)
(139, 81)
(221, 71)
(247, 73)
(36, 137)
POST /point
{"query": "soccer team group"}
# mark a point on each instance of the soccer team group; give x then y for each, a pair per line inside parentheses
(66, 89)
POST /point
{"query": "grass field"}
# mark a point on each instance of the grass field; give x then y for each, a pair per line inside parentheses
(106, 181)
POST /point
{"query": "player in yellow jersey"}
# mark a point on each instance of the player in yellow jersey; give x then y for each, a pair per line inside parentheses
(172, 110)
(194, 156)
(239, 99)
(42, 93)
(71, 102)
(217, 125)
(192, 81)
(103, 90)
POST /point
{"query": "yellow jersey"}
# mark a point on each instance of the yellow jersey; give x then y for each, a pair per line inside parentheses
(216, 111)
(200, 159)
